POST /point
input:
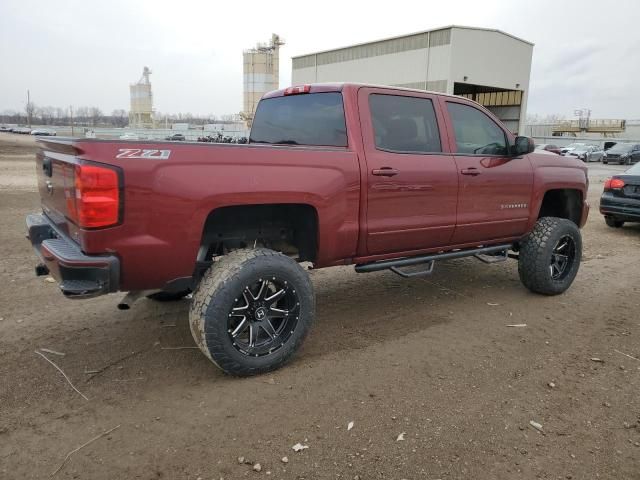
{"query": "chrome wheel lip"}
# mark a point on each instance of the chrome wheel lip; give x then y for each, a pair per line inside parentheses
(562, 257)
(263, 317)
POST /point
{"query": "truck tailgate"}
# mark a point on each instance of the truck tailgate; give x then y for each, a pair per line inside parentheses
(55, 164)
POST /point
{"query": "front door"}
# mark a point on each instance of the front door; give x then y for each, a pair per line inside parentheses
(412, 186)
(495, 187)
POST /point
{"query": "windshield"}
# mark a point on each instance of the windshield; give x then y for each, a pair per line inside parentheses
(306, 119)
(620, 147)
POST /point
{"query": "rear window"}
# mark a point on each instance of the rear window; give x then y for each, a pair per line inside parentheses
(404, 124)
(306, 119)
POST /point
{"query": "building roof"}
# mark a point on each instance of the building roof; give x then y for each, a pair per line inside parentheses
(417, 33)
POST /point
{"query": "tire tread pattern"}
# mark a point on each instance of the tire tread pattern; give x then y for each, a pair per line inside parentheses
(533, 263)
(221, 273)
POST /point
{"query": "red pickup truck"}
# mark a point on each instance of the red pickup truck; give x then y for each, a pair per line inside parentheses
(334, 174)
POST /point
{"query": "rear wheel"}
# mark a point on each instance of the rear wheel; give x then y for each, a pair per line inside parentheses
(251, 311)
(613, 223)
(550, 256)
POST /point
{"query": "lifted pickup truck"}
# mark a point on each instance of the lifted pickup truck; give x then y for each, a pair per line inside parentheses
(334, 174)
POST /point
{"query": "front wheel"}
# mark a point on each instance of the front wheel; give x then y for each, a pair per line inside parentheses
(550, 256)
(251, 311)
(613, 223)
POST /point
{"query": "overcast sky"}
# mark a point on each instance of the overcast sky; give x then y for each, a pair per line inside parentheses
(586, 54)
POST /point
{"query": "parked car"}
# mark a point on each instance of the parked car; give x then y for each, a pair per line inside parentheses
(549, 148)
(21, 130)
(623, 154)
(588, 153)
(5, 128)
(572, 146)
(43, 132)
(129, 136)
(441, 178)
(620, 201)
(176, 137)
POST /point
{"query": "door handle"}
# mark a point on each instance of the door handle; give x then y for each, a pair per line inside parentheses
(470, 171)
(384, 172)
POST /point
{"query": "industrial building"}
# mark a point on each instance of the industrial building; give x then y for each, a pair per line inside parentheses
(261, 74)
(141, 113)
(489, 66)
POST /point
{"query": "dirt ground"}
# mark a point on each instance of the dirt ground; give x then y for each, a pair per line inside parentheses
(428, 360)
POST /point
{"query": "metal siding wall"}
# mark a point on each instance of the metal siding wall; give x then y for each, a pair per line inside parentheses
(393, 69)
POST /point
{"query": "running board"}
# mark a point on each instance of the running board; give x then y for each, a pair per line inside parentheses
(394, 265)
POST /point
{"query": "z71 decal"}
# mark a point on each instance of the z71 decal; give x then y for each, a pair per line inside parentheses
(143, 153)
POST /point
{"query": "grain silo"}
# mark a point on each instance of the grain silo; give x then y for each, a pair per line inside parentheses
(261, 74)
(141, 114)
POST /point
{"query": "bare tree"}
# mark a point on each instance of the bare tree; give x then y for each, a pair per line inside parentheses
(96, 115)
(119, 118)
(30, 109)
(81, 115)
(46, 114)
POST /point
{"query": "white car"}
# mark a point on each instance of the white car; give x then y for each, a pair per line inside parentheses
(43, 132)
(588, 153)
(129, 136)
(571, 147)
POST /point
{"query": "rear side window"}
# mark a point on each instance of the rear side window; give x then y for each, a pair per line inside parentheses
(475, 132)
(404, 124)
(306, 119)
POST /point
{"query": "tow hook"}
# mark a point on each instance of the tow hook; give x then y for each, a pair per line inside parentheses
(131, 297)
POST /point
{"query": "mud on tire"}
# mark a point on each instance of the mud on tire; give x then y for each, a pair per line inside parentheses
(550, 256)
(251, 311)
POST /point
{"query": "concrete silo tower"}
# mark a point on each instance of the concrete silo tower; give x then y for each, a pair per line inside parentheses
(141, 114)
(261, 74)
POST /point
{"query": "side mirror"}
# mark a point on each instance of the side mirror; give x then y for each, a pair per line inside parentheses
(522, 146)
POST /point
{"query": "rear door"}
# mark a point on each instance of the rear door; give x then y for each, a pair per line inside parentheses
(412, 185)
(495, 187)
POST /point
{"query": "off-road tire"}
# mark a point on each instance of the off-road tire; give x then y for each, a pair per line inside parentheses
(168, 296)
(613, 223)
(215, 296)
(537, 249)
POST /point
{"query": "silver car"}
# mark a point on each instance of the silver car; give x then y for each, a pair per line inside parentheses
(587, 153)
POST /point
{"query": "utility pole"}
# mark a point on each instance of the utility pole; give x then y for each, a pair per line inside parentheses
(71, 114)
(28, 108)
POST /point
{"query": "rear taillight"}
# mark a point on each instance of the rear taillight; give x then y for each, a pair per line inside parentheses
(95, 198)
(613, 184)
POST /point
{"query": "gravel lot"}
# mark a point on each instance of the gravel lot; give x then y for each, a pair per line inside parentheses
(428, 360)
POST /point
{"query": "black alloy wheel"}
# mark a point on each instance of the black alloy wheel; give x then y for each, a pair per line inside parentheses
(263, 317)
(562, 258)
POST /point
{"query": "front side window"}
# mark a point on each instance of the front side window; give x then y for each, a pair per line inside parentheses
(475, 132)
(306, 119)
(404, 124)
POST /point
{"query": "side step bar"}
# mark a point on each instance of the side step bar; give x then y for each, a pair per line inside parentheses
(395, 264)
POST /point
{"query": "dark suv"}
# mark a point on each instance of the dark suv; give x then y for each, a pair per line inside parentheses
(623, 154)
